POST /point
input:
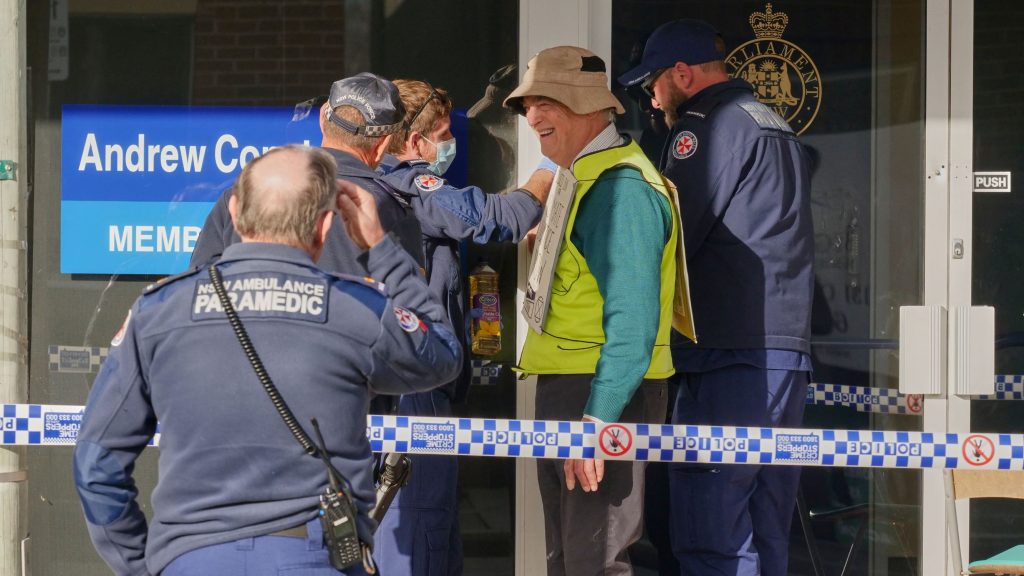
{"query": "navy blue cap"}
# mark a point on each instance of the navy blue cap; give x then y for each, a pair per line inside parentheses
(689, 41)
(376, 99)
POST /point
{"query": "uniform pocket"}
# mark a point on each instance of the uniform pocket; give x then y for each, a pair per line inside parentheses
(437, 551)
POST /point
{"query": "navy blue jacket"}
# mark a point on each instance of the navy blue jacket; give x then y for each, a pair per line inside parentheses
(744, 193)
(448, 215)
(229, 467)
(340, 254)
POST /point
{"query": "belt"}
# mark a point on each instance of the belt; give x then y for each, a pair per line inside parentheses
(295, 532)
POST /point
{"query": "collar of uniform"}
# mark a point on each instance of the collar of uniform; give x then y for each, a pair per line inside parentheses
(389, 164)
(349, 164)
(265, 251)
(711, 91)
(607, 138)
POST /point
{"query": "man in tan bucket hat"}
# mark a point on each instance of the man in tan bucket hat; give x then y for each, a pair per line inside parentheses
(601, 352)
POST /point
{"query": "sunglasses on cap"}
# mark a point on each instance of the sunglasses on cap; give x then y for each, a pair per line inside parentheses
(433, 94)
(303, 109)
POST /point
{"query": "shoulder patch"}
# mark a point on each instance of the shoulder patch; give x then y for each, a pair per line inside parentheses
(684, 145)
(764, 117)
(428, 182)
(169, 279)
(119, 337)
(408, 321)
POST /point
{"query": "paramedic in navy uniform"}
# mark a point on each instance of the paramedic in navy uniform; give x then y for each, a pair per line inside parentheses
(358, 122)
(237, 495)
(744, 194)
(420, 532)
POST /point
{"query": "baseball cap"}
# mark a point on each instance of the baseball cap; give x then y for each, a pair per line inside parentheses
(376, 99)
(573, 76)
(686, 40)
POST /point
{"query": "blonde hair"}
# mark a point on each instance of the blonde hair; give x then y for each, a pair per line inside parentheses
(425, 106)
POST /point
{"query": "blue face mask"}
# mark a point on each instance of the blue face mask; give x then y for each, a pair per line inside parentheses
(445, 156)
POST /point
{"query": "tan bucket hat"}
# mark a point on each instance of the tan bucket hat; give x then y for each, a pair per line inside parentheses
(573, 76)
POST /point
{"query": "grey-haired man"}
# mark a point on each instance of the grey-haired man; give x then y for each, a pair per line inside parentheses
(237, 495)
(357, 121)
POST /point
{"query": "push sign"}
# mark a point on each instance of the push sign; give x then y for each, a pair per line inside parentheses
(992, 181)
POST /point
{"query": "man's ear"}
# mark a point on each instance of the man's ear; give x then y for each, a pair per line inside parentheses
(683, 75)
(323, 117)
(412, 143)
(233, 209)
(323, 226)
(381, 148)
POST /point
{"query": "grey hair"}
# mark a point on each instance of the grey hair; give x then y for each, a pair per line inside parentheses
(339, 134)
(287, 215)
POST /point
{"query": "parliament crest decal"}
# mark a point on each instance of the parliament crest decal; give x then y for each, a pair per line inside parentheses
(783, 75)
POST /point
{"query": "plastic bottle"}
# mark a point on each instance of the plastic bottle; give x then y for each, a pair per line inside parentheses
(485, 327)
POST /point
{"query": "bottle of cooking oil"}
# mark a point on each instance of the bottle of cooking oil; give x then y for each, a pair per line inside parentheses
(485, 327)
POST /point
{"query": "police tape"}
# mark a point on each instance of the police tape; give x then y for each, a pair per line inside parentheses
(890, 401)
(85, 359)
(34, 424)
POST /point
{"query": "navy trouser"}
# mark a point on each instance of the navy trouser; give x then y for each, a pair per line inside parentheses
(419, 535)
(262, 556)
(734, 519)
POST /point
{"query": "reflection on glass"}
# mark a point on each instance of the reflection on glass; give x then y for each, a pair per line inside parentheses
(236, 56)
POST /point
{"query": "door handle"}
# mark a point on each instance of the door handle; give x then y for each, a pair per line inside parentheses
(974, 362)
(922, 349)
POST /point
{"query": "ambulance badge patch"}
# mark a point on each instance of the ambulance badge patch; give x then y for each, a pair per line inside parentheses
(685, 145)
(119, 337)
(428, 183)
(408, 321)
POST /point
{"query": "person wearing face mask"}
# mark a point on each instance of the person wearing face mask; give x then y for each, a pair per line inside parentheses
(419, 533)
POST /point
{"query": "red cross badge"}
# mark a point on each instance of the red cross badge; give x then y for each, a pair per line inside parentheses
(428, 182)
(409, 321)
(685, 145)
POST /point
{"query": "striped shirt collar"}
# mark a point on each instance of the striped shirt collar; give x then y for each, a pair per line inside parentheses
(608, 138)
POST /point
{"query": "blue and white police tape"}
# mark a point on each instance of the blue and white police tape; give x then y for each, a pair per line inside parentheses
(890, 401)
(33, 424)
(84, 359)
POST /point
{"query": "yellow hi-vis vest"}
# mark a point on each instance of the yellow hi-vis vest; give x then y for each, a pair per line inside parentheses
(573, 333)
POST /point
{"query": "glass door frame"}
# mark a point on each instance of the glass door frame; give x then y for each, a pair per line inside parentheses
(961, 217)
(543, 24)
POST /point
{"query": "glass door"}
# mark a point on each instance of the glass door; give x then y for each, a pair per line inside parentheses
(986, 207)
(858, 82)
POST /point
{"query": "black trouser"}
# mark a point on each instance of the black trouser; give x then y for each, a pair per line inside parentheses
(587, 534)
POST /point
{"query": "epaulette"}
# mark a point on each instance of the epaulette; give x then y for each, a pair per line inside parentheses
(169, 279)
(361, 280)
(764, 117)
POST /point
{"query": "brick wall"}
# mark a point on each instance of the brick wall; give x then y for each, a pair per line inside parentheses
(266, 53)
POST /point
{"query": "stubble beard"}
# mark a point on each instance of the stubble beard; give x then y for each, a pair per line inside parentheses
(673, 99)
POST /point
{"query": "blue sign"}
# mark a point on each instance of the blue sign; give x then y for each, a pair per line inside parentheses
(137, 181)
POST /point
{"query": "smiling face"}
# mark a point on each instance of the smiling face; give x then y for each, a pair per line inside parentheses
(562, 132)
